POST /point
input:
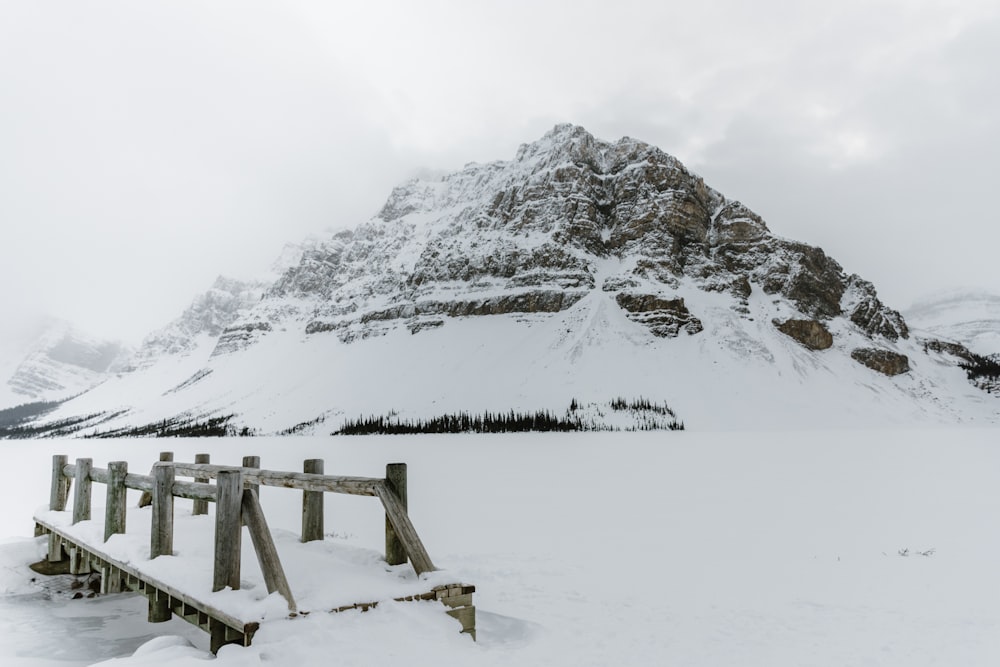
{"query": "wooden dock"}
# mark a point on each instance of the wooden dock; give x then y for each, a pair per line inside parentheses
(234, 493)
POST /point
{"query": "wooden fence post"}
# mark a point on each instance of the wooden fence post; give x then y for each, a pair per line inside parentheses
(312, 505)
(60, 484)
(81, 497)
(201, 506)
(161, 532)
(58, 495)
(228, 529)
(395, 477)
(161, 541)
(81, 512)
(146, 499)
(251, 462)
(114, 513)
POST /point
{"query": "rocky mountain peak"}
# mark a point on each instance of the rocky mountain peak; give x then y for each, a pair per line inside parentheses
(570, 214)
(208, 316)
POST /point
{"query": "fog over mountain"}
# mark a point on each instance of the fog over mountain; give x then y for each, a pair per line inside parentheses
(150, 147)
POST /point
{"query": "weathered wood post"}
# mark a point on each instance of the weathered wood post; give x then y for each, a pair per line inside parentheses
(81, 497)
(267, 552)
(58, 495)
(251, 462)
(114, 513)
(201, 506)
(228, 529)
(146, 499)
(395, 477)
(81, 511)
(161, 534)
(312, 505)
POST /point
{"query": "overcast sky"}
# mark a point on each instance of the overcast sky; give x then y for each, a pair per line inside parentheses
(147, 147)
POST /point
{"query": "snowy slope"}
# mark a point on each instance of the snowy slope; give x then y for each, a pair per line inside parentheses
(971, 317)
(580, 269)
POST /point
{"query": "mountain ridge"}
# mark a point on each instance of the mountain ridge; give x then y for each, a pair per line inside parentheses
(581, 269)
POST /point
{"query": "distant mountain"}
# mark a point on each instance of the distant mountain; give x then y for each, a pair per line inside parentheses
(968, 316)
(53, 361)
(202, 322)
(593, 281)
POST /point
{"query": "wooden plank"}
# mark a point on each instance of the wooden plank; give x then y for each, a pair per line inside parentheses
(407, 534)
(201, 506)
(267, 552)
(81, 496)
(467, 617)
(358, 486)
(99, 475)
(312, 504)
(395, 478)
(161, 531)
(114, 507)
(228, 529)
(136, 579)
(140, 483)
(195, 491)
(159, 605)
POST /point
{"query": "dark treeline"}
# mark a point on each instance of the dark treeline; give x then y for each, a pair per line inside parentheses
(213, 427)
(979, 366)
(514, 422)
(56, 429)
(12, 417)
(463, 422)
(984, 372)
(641, 404)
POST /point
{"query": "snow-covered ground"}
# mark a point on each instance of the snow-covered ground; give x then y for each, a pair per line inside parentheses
(678, 548)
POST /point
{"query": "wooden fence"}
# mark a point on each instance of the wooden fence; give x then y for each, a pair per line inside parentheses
(235, 494)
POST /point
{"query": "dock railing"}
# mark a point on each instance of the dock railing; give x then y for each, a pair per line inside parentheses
(235, 494)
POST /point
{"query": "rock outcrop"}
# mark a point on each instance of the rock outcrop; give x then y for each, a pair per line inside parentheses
(885, 362)
(809, 333)
(664, 317)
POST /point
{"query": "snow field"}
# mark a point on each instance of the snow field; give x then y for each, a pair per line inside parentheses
(675, 548)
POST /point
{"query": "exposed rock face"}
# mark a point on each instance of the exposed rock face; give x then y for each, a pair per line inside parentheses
(885, 362)
(510, 236)
(208, 316)
(664, 317)
(809, 333)
(868, 313)
(416, 314)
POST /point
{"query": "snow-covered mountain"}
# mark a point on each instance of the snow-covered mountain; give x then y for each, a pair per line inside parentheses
(202, 323)
(968, 316)
(50, 360)
(577, 273)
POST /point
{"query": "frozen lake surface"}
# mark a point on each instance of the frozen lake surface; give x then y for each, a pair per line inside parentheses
(795, 548)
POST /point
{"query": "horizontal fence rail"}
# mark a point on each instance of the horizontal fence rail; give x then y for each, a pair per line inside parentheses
(402, 541)
(233, 490)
